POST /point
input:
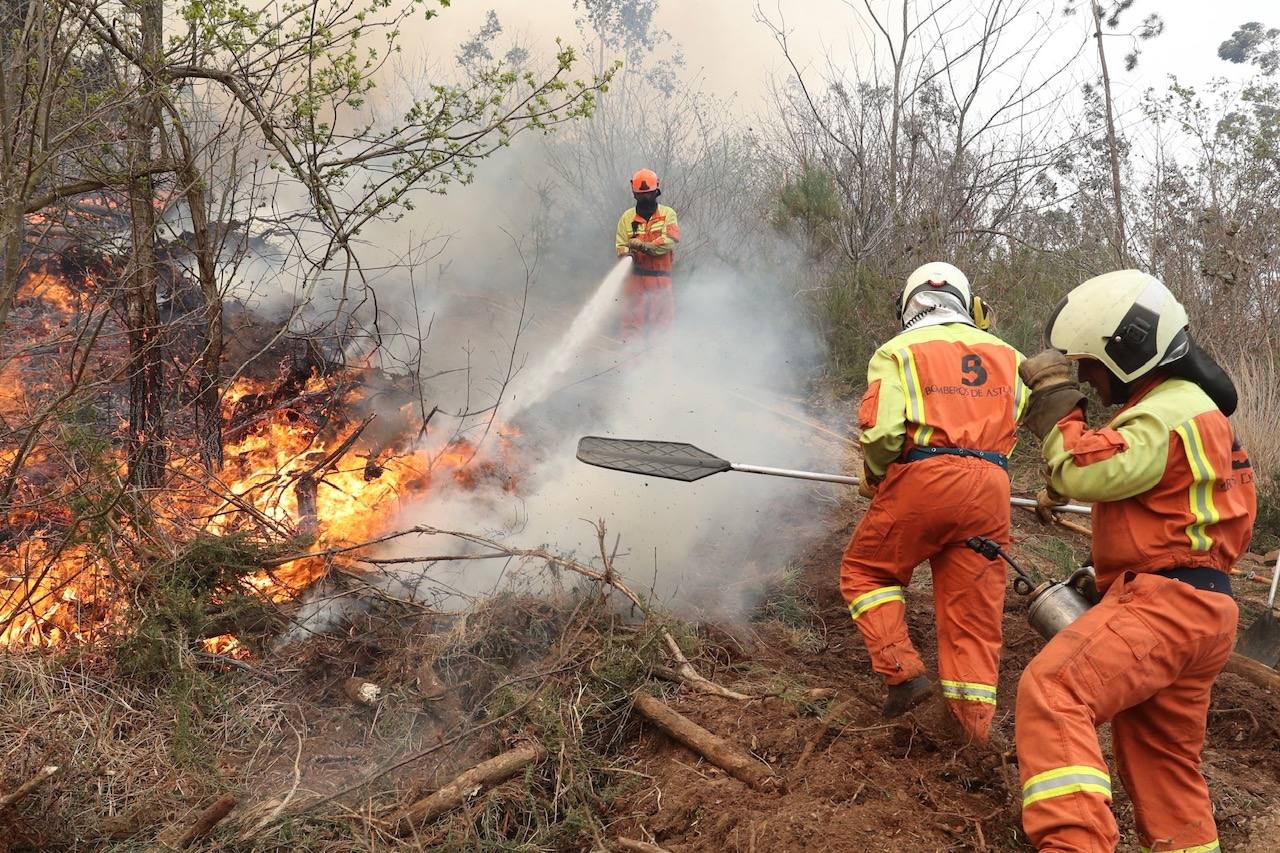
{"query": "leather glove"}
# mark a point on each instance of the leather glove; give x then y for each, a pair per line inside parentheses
(870, 483)
(1044, 369)
(1053, 394)
(1047, 500)
(637, 245)
(1084, 580)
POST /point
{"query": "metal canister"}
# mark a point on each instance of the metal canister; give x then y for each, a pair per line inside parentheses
(1054, 606)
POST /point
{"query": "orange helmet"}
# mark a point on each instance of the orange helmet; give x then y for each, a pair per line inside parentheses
(645, 181)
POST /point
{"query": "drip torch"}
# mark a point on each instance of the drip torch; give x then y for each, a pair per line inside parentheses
(1052, 605)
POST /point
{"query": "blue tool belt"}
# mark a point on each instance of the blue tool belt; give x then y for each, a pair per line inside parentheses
(1201, 577)
(915, 454)
(651, 273)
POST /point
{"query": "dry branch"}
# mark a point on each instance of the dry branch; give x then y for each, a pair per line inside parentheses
(204, 824)
(485, 774)
(632, 846)
(1047, 516)
(19, 793)
(724, 754)
(830, 720)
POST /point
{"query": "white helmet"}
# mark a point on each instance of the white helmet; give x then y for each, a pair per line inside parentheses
(932, 291)
(1126, 319)
(937, 276)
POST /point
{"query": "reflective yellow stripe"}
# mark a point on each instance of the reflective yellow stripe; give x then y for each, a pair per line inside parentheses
(1074, 779)
(1020, 398)
(1203, 510)
(872, 600)
(915, 395)
(969, 691)
(1211, 847)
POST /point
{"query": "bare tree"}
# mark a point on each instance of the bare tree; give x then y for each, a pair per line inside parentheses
(931, 147)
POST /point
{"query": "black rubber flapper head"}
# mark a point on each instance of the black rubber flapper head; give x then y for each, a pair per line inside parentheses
(672, 460)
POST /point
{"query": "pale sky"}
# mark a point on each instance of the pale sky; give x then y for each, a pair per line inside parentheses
(737, 56)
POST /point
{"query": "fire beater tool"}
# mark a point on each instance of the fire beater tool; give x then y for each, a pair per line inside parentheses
(1051, 605)
(676, 460)
(1262, 639)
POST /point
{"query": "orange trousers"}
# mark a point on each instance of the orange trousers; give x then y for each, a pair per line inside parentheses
(1144, 658)
(648, 306)
(925, 511)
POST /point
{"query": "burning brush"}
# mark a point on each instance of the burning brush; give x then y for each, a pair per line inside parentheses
(318, 459)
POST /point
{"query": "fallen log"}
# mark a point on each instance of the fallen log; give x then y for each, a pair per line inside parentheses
(20, 793)
(485, 774)
(632, 846)
(724, 754)
(1251, 670)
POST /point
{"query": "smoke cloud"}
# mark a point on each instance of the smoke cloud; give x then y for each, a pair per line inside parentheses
(737, 356)
(505, 266)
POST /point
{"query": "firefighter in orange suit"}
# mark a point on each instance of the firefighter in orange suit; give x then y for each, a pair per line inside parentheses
(649, 233)
(1174, 504)
(938, 420)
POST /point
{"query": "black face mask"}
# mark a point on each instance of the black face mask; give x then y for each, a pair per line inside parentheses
(647, 205)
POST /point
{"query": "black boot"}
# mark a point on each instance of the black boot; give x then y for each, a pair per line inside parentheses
(905, 696)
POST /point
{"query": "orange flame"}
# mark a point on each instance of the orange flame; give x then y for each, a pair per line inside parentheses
(293, 473)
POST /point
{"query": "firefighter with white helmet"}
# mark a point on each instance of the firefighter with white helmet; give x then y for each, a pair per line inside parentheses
(938, 419)
(1174, 503)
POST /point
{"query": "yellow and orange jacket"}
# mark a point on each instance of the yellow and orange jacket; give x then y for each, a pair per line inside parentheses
(948, 385)
(1169, 483)
(661, 231)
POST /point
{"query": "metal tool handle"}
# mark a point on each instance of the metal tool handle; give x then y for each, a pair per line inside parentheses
(1275, 578)
(796, 475)
(853, 481)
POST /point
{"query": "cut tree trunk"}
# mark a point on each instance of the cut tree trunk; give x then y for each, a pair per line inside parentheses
(724, 754)
(485, 774)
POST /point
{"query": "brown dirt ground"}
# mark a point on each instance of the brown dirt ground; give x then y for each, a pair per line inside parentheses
(873, 785)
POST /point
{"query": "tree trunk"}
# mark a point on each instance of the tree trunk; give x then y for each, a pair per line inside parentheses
(209, 362)
(146, 370)
(11, 219)
(1118, 235)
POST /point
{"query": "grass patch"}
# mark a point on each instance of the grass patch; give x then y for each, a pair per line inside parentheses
(787, 604)
(197, 594)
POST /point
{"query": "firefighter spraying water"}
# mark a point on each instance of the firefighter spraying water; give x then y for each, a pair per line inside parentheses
(648, 233)
(640, 281)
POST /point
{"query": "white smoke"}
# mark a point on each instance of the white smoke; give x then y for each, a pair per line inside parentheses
(528, 245)
(726, 378)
